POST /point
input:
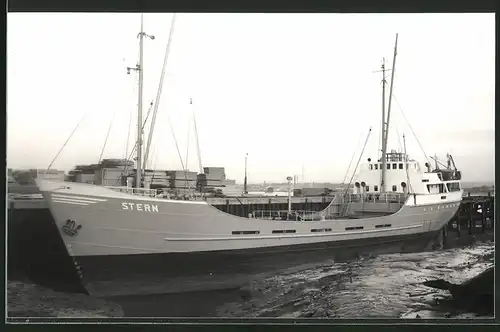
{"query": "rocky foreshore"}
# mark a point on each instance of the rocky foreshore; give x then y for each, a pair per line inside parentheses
(25, 299)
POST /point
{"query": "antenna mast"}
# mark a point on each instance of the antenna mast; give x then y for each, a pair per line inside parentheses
(384, 150)
(245, 191)
(406, 165)
(386, 136)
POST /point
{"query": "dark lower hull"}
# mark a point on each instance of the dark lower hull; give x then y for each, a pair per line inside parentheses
(36, 251)
(174, 273)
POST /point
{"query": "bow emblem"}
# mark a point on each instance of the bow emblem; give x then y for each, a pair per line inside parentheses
(71, 228)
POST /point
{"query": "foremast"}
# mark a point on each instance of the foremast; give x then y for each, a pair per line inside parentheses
(140, 69)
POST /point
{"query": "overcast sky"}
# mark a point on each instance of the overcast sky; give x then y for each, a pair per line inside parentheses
(289, 89)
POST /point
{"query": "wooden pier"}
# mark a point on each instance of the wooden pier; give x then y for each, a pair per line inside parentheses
(473, 222)
(475, 215)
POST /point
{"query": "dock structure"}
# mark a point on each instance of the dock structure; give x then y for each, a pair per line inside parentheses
(475, 215)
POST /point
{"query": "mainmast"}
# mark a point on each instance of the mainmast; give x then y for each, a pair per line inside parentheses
(385, 134)
(139, 68)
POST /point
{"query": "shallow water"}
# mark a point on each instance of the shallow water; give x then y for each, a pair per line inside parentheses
(388, 286)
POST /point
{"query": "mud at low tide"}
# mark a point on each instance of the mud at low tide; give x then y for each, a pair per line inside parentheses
(25, 299)
(388, 286)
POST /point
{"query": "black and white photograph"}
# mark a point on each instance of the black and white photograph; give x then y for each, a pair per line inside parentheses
(250, 165)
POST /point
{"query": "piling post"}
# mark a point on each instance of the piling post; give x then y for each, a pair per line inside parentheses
(289, 179)
(270, 208)
(492, 212)
(438, 243)
(483, 217)
(471, 206)
(11, 211)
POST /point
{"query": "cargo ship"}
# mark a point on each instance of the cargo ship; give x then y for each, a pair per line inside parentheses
(128, 241)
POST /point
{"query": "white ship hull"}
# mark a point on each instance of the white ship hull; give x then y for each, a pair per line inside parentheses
(114, 236)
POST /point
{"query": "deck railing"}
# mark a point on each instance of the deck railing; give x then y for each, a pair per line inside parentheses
(157, 194)
(375, 198)
(135, 191)
(295, 215)
(382, 198)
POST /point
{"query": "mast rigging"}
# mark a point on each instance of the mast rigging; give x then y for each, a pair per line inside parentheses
(197, 140)
(160, 87)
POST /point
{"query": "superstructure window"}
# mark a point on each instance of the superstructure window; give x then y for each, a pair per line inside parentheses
(367, 188)
(353, 228)
(375, 188)
(371, 167)
(316, 230)
(244, 232)
(388, 166)
(394, 166)
(435, 188)
(453, 186)
(394, 188)
(376, 166)
(401, 166)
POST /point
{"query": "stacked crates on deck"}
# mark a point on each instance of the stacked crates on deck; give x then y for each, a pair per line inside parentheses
(155, 179)
(85, 178)
(84, 173)
(109, 172)
(116, 163)
(110, 177)
(113, 172)
(213, 177)
(182, 182)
